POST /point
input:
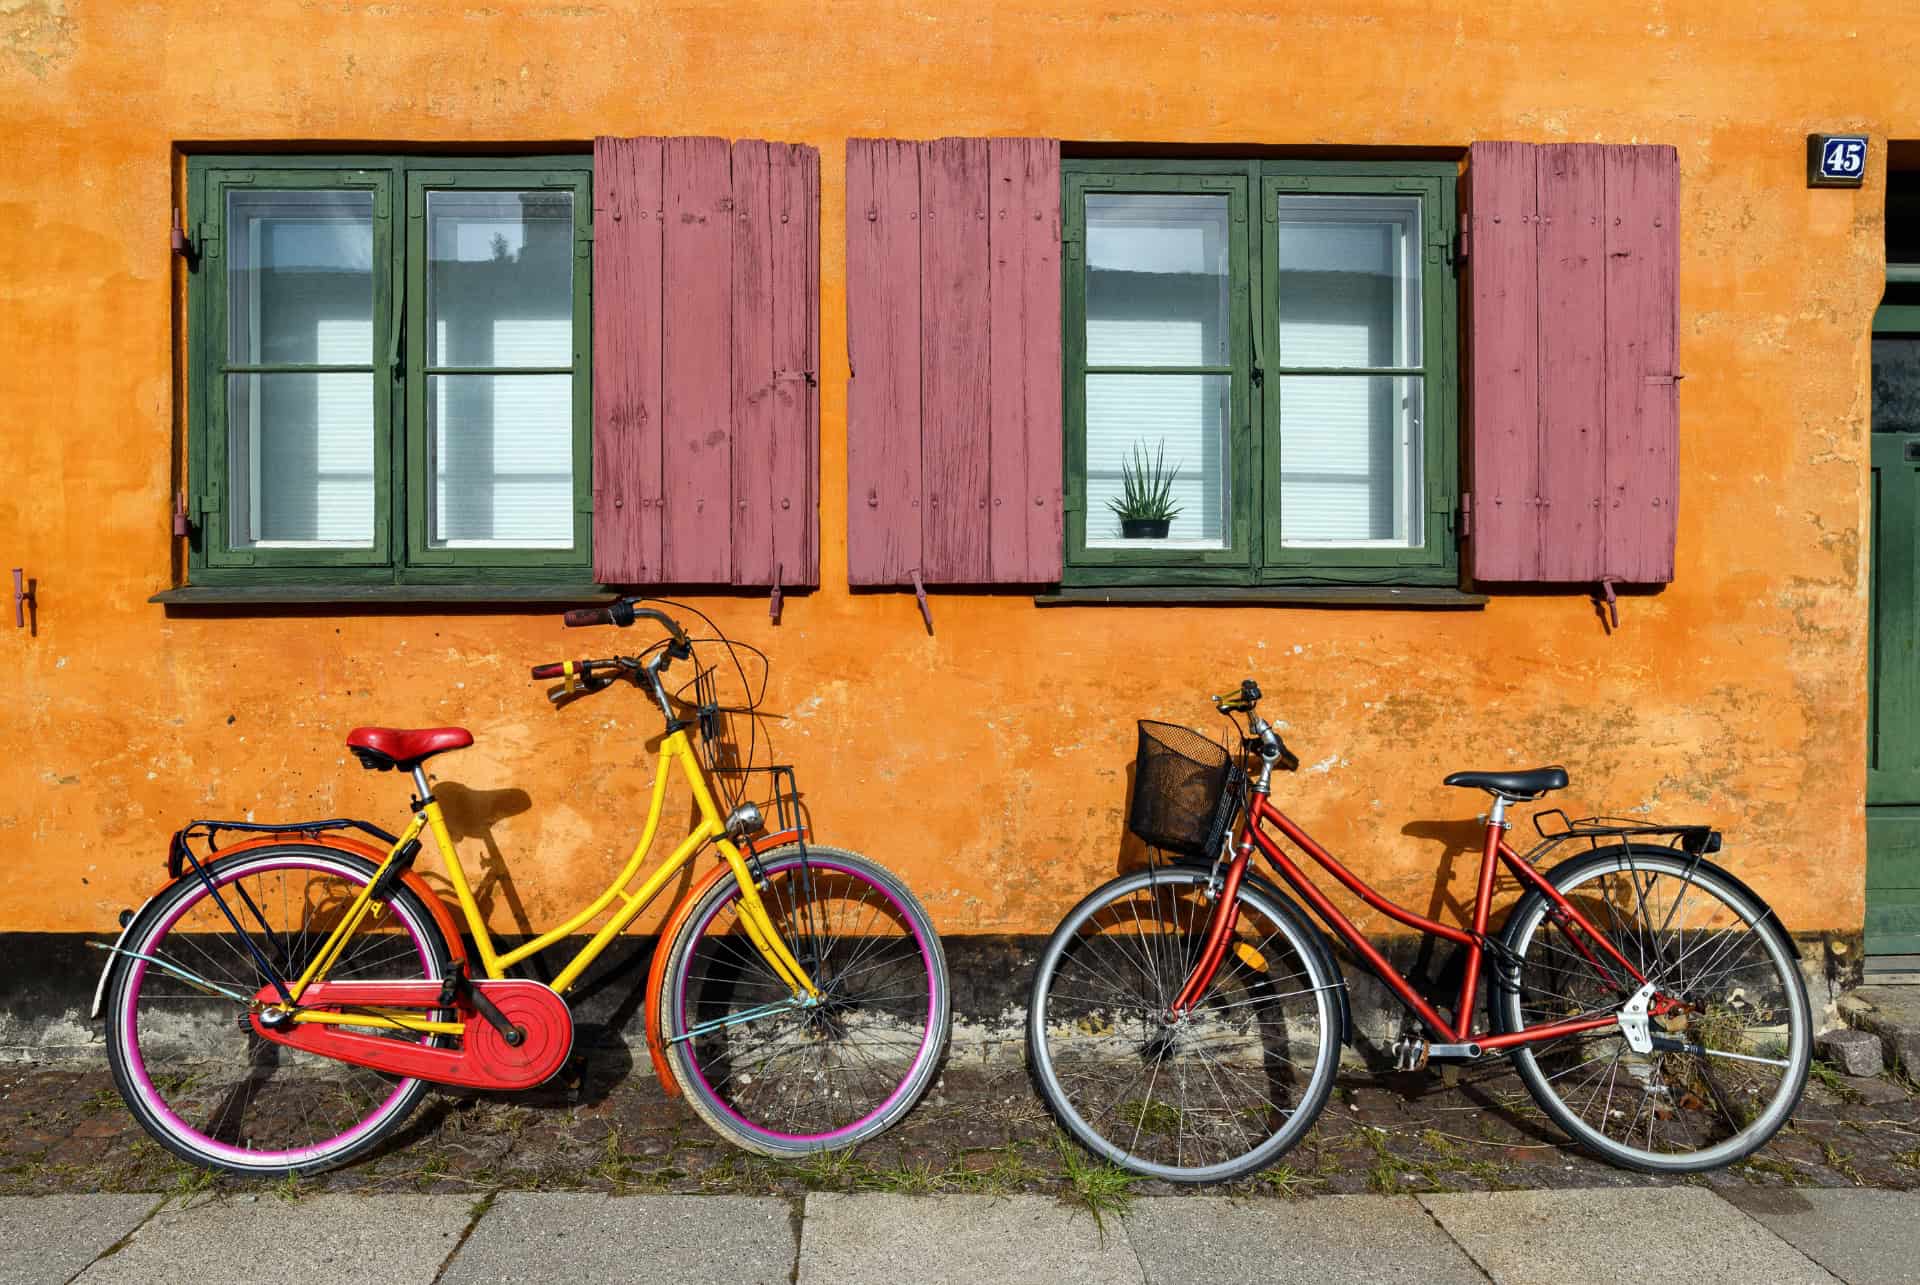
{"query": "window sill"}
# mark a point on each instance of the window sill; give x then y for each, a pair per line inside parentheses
(1431, 597)
(497, 595)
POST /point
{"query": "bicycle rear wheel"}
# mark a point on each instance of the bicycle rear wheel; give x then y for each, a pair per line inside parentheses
(187, 1060)
(1728, 1068)
(788, 1080)
(1217, 1093)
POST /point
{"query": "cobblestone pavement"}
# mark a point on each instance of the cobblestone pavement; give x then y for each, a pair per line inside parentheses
(981, 1130)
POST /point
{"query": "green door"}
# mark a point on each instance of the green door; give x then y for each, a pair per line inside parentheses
(1893, 674)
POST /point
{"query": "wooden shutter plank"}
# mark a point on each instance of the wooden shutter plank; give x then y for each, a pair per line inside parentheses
(1025, 358)
(1642, 481)
(1504, 382)
(627, 281)
(1570, 184)
(752, 456)
(793, 224)
(883, 351)
(696, 384)
(955, 371)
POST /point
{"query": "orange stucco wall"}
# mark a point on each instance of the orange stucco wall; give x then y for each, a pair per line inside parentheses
(985, 762)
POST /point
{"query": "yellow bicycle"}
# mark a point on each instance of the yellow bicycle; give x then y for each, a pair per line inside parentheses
(282, 1004)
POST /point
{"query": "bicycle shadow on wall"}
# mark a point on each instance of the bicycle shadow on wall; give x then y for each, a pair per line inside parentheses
(1461, 840)
(601, 1058)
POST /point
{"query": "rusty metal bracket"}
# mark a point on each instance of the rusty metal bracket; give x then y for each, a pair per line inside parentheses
(1605, 598)
(181, 245)
(920, 592)
(23, 599)
(775, 603)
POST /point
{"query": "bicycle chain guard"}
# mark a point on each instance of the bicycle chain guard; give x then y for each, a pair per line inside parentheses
(483, 1060)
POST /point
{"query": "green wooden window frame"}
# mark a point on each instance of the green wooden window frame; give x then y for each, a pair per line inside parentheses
(400, 552)
(1254, 556)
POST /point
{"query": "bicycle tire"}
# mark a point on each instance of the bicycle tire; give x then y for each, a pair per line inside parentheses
(1742, 961)
(1058, 1018)
(167, 1042)
(717, 975)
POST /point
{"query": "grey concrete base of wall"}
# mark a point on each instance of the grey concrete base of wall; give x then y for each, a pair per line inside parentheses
(47, 981)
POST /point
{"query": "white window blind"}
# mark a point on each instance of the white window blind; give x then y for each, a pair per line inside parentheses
(1158, 289)
(1349, 305)
(300, 444)
(500, 438)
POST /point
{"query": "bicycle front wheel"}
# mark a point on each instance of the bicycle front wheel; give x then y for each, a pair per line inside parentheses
(187, 1059)
(784, 1078)
(1728, 1065)
(1215, 1093)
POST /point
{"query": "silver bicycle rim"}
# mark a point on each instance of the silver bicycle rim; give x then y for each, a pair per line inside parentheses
(1231, 1088)
(1697, 938)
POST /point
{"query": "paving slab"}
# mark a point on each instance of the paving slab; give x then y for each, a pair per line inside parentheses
(49, 1238)
(960, 1240)
(1864, 1237)
(1629, 1235)
(1332, 1240)
(524, 1236)
(267, 1240)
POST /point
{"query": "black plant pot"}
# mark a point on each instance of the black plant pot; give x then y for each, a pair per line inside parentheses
(1145, 528)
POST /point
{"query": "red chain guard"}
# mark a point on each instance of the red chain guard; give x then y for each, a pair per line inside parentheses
(483, 1060)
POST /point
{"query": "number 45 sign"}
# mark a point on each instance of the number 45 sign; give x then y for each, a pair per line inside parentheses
(1836, 160)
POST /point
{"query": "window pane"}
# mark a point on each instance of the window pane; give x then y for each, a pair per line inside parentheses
(300, 278)
(1350, 461)
(1349, 280)
(1158, 281)
(1184, 416)
(500, 278)
(1896, 385)
(500, 451)
(300, 461)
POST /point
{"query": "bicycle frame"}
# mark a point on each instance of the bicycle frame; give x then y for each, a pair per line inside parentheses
(1494, 850)
(675, 749)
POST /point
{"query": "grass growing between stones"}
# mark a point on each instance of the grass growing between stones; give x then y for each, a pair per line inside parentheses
(1100, 1187)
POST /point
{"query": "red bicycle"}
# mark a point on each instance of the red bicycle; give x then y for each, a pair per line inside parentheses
(1186, 1019)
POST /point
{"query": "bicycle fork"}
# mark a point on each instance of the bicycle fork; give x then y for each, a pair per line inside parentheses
(1220, 926)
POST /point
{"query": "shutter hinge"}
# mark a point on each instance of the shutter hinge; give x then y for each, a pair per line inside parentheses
(181, 245)
(1465, 524)
(1457, 254)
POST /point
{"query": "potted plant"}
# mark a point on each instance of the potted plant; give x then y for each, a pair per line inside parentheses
(1145, 504)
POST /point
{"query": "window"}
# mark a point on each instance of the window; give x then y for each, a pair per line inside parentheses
(1274, 344)
(389, 365)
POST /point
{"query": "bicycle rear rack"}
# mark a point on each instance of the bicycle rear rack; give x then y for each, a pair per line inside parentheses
(1694, 840)
(179, 855)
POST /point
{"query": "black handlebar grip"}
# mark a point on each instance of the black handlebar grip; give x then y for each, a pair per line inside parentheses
(580, 617)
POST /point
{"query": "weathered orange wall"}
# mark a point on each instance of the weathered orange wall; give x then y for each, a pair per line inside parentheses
(986, 762)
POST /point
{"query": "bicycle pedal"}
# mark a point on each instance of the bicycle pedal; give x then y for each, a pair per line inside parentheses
(1409, 1054)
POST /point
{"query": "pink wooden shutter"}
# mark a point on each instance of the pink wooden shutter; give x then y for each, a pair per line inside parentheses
(706, 339)
(953, 333)
(1573, 317)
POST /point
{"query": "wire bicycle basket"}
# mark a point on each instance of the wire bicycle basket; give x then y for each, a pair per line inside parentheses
(1184, 800)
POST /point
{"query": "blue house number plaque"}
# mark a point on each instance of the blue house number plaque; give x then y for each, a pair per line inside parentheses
(1836, 160)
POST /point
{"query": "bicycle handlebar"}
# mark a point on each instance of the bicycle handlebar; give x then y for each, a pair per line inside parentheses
(623, 613)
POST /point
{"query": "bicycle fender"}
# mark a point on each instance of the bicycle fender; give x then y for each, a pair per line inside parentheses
(114, 957)
(1719, 872)
(655, 1020)
(456, 943)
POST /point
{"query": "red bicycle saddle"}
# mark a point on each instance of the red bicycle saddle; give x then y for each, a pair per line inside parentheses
(389, 747)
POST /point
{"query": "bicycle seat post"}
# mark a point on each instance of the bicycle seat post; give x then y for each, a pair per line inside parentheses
(422, 791)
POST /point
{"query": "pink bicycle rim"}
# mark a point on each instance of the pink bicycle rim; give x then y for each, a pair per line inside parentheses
(137, 1065)
(926, 1041)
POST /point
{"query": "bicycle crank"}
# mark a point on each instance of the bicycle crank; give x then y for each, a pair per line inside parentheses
(486, 1057)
